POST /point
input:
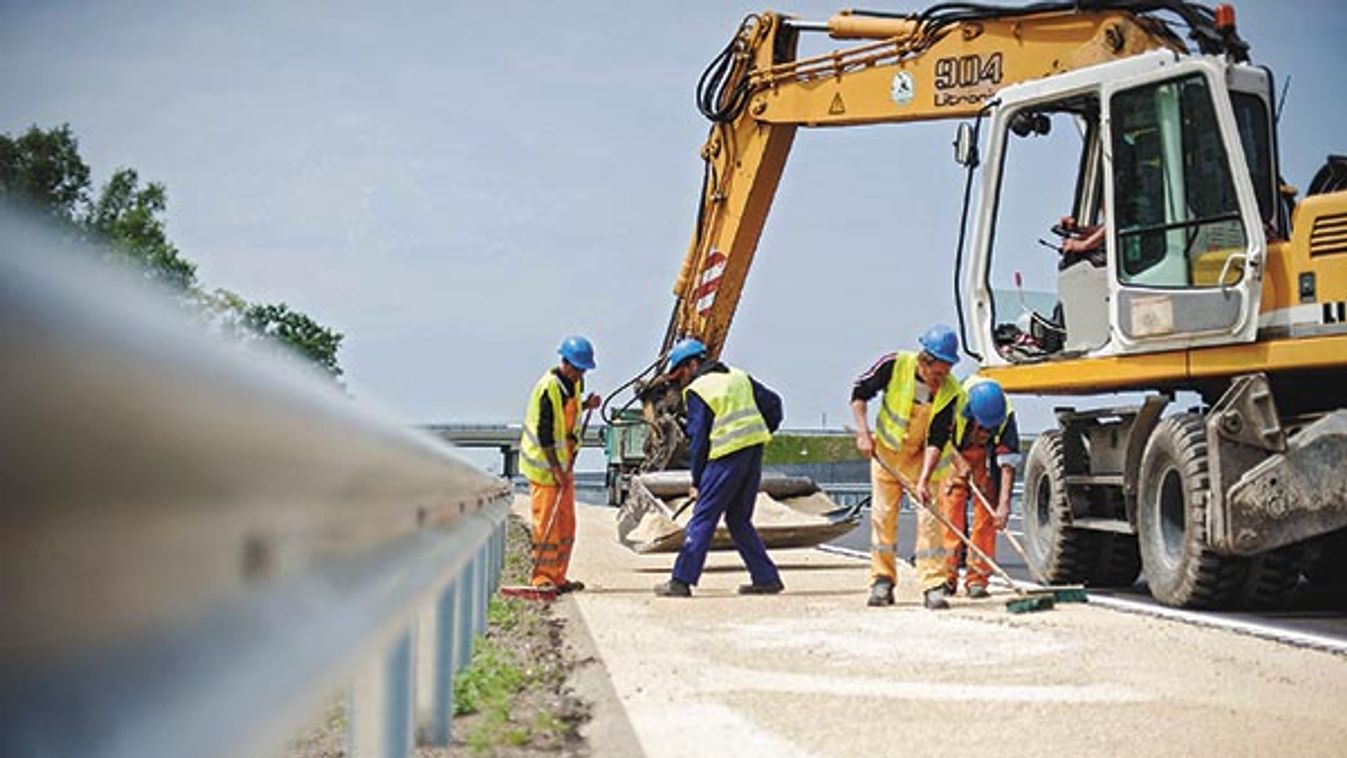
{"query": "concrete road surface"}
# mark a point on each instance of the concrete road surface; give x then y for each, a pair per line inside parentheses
(813, 672)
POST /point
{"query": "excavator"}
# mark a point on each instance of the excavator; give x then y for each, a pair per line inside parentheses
(1211, 278)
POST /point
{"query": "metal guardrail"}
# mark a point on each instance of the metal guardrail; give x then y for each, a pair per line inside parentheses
(199, 547)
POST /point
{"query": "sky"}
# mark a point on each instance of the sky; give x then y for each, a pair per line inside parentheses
(457, 186)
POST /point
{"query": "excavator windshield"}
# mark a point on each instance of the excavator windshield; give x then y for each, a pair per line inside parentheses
(1171, 196)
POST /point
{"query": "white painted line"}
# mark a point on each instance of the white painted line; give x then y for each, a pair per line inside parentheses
(1199, 618)
(1250, 628)
(845, 551)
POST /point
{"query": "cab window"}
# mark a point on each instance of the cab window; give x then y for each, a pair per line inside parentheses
(1178, 216)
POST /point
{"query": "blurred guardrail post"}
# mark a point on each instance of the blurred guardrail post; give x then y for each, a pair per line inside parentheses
(203, 544)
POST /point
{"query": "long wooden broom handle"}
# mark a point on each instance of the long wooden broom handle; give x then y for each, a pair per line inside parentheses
(949, 525)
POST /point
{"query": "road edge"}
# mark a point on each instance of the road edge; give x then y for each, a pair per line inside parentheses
(609, 730)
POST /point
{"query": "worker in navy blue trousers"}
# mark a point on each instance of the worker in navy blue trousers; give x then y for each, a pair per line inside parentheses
(730, 418)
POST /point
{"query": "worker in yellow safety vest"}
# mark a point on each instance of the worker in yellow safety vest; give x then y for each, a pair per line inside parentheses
(730, 419)
(547, 449)
(919, 396)
(987, 439)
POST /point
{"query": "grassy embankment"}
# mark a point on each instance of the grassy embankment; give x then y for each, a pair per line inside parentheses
(512, 699)
(790, 448)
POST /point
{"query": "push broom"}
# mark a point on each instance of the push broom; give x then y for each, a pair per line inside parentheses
(1062, 593)
(1027, 601)
(549, 593)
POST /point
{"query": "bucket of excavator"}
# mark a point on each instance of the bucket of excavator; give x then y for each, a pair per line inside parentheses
(791, 511)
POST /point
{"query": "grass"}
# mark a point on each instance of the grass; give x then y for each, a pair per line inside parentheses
(512, 694)
(789, 448)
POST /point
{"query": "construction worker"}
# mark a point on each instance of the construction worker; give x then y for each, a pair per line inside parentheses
(919, 395)
(987, 440)
(547, 449)
(730, 418)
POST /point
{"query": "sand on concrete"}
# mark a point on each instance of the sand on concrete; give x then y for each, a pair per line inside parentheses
(813, 672)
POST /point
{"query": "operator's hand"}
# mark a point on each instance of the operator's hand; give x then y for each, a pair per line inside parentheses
(1075, 246)
(1002, 514)
(692, 493)
(593, 401)
(865, 443)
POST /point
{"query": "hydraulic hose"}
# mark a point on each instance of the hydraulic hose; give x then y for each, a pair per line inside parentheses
(722, 90)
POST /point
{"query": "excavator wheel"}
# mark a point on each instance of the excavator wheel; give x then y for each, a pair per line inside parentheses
(1272, 577)
(1060, 554)
(1119, 561)
(1172, 496)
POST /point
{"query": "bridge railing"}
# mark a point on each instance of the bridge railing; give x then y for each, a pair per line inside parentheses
(199, 547)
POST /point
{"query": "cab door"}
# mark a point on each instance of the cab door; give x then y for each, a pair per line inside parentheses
(1186, 241)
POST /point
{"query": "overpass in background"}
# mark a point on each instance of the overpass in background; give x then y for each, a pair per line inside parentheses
(503, 437)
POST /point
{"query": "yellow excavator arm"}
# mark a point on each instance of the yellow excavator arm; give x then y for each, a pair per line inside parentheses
(942, 64)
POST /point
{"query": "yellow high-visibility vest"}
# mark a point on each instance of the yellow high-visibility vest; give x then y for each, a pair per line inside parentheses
(896, 407)
(532, 460)
(738, 423)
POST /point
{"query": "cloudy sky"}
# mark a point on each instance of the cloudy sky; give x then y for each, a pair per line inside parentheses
(456, 185)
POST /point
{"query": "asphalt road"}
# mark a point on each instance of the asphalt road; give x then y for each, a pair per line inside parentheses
(1307, 612)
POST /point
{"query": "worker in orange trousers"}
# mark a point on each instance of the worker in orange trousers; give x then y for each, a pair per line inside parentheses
(547, 448)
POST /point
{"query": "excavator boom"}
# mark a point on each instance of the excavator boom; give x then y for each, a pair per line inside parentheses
(940, 64)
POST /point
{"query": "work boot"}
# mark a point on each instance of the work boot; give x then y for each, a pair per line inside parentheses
(935, 599)
(673, 588)
(950, 587)
(978, 592)
(570, 585)
(881, 593)
(770, 588)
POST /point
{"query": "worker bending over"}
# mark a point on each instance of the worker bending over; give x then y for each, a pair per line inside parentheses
(987, 439)
(548, 445)
(730, 418)
(919, 395)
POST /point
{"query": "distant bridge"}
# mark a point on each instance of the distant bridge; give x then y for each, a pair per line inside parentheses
(503, 437)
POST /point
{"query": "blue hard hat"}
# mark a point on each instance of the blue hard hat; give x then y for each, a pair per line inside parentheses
(941, 342)
(987, 404)
(688, 347)
(578, 352)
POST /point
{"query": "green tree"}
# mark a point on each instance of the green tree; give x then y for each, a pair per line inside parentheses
(126, 216)
(311, 339)
(42, 170)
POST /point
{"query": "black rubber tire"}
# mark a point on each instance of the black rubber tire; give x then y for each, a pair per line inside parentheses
(1119, 561)
(1271, 578)
(612, 484)
(1172, 495)
(1058, 554)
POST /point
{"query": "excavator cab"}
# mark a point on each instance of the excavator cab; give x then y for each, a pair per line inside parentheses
(1171, 158)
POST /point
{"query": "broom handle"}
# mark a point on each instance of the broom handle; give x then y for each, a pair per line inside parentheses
(987, 506)
(949, 525)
